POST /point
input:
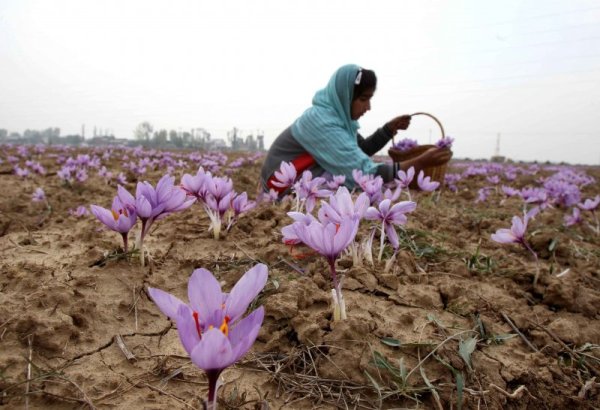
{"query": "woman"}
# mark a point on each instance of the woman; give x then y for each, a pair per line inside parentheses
(325, 138)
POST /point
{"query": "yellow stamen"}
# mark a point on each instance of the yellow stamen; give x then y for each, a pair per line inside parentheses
(224, 326)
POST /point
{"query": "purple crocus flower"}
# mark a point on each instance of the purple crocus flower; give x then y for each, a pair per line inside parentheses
(406, 144)
(153, 204)
(573, 219)
(482, 194)
(516, 234)
(240, 204)
(308, 189)
(38, 195)
(330, 240)
(493, 179)
(445, 142)
(373, 187)
(81, 175)
(121, 178)
(21, 172)
(336, 182)
(425, 183)
(194, 184)
(590, 204)
(510, 191)
(285, 176)
(119, 218)
(390, 215)
(341, 206)
(211, 327)
(406, 177)
(290, 237)
(79, 211)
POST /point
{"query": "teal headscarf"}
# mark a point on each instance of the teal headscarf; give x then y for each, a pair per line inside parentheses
(326, 130)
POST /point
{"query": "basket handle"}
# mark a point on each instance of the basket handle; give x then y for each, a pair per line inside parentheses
(431, 116)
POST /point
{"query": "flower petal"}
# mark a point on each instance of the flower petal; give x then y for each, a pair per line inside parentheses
(245, 290)
(213, 352)
(243, 336)
(167, 303)
(205, 295)
(186, 327)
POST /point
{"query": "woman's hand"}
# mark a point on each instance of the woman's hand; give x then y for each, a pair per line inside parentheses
(399, 123)
(434, 156)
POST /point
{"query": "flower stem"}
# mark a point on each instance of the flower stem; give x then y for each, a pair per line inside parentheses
(213, 386)
(141, 243)
(537, 263)
(339, 307)
(381, 242)
(124, 235)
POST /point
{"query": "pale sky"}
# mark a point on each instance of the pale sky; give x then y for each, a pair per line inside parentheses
(529, 70)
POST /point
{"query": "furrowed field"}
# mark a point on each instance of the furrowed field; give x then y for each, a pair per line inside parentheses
(453, 319)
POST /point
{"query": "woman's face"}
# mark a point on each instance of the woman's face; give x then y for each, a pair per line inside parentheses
(361, 105)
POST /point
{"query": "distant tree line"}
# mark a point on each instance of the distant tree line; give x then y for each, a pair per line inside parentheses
(145, 135)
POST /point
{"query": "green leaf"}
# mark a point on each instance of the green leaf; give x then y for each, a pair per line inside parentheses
(553, 245)
(432, 389)
(390, 341)
(275, 283)
(460, 385)
(501, 338)
(466, 348)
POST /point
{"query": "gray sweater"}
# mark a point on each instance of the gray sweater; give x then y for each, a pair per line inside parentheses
(286, 148)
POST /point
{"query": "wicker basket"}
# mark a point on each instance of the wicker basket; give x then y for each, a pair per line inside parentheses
(436, 173)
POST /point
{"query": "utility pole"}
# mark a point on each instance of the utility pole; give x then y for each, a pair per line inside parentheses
(497, 151)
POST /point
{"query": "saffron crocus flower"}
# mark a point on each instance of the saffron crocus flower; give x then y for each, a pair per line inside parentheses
(573, 219)
(425, 183)
(336, 182)
(194, 185)
(290, 237)
(285, 176)
(153, 204)
(118, 218)
(510, 191)
(121, 178)
(330, 240)
(217, 201)
(516, 234)
(493, 179)
(390, 215)
(79, 211)
(38, 195)
(342, 206)
(405, 178)
(445, 142)
(308, 189)
(22, 172)
(240, 204)
(590, 204)
(211, 327)
(406, 144)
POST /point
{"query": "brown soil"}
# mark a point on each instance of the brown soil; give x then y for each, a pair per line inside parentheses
(65, 308)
